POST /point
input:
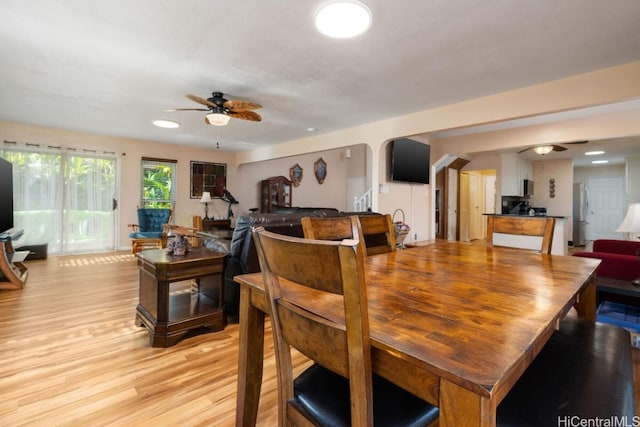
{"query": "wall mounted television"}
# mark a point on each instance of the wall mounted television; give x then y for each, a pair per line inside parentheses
(6, 195)
(410, 161)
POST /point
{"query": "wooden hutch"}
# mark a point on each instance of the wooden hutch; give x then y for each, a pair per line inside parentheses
(276, 191)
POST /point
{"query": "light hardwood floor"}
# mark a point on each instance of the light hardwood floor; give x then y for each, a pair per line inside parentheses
(71, 355)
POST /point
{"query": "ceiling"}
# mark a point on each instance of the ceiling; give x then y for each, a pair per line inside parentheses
(615, 150)
(110, 68)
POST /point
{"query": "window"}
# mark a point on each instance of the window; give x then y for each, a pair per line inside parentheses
(158, 183)
(64, 197)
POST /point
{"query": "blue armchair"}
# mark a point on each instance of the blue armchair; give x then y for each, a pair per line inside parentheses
(149, 231)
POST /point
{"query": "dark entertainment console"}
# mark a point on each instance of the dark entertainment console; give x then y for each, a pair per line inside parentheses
(13, 273)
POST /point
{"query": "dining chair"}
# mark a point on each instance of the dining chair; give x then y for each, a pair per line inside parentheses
(332, 228)
(522, 226)
(378, 233)
(317, 300)
(584, 372)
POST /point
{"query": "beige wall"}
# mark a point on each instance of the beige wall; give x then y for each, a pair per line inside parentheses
(596, 88)
(130, 152)
(561, 171)
(333, 192)
(243, 182)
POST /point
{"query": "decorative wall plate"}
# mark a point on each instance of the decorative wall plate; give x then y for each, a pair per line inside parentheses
(296, 174)
(320, 169)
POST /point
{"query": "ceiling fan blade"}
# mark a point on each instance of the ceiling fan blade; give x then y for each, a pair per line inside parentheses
(559, 148)
(169, 110)
(240, 106)
(202, 101)
(576, 142)
(526, 149)
(246, 115)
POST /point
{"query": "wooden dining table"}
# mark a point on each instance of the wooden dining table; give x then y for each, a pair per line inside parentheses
(454, 323)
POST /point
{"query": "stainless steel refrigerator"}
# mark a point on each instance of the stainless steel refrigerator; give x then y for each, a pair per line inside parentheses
(580, 206)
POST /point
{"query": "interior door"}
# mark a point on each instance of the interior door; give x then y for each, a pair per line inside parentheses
(465, 207)
(452, 206)
(605, 207)
(440, 204)
(476, 206)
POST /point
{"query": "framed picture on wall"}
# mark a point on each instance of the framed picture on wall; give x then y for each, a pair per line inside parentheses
(320, 170)
(296, 174)
(211, 177)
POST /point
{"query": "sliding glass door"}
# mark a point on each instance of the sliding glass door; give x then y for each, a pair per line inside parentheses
(65, 199)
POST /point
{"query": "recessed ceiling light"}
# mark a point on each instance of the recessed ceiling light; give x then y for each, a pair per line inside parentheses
(593, 153)
(343, 18)
(597, 162)
(167, 124)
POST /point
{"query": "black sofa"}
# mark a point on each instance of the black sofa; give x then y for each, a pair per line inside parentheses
(242, 257)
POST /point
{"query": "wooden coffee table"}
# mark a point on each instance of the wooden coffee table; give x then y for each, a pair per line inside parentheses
(196, 303)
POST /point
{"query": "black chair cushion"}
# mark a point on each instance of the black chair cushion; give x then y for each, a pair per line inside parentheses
(325, 396)
(584, 371)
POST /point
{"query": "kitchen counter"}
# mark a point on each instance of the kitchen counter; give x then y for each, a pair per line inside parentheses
(534, 216)
(560, 245)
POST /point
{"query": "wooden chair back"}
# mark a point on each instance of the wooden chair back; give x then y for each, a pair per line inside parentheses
(154, 219)
(196, 222)
(522, 226)
(334, 333)
(331, 228)
(378, 233)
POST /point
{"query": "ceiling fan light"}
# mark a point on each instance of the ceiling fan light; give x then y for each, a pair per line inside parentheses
(217, 119)
(343, 18)
(543, 149)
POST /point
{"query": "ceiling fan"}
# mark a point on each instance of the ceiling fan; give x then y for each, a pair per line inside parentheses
(222, 109)
(547, 148)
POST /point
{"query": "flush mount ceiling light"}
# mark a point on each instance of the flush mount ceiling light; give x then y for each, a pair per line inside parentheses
(343, 18)
(167, 124)
(599, 162)
(593, 153)
(543, 149)
(217, 119)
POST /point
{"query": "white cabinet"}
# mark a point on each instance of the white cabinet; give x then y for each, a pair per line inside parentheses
(514, 171)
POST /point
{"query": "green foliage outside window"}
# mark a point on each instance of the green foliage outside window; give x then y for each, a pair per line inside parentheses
(158, 184)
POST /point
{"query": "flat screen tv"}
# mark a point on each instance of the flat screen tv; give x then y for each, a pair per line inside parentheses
(410, 161)
(6, 195)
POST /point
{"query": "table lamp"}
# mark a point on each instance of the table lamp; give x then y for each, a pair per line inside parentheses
(206, 198)
(631, 225)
